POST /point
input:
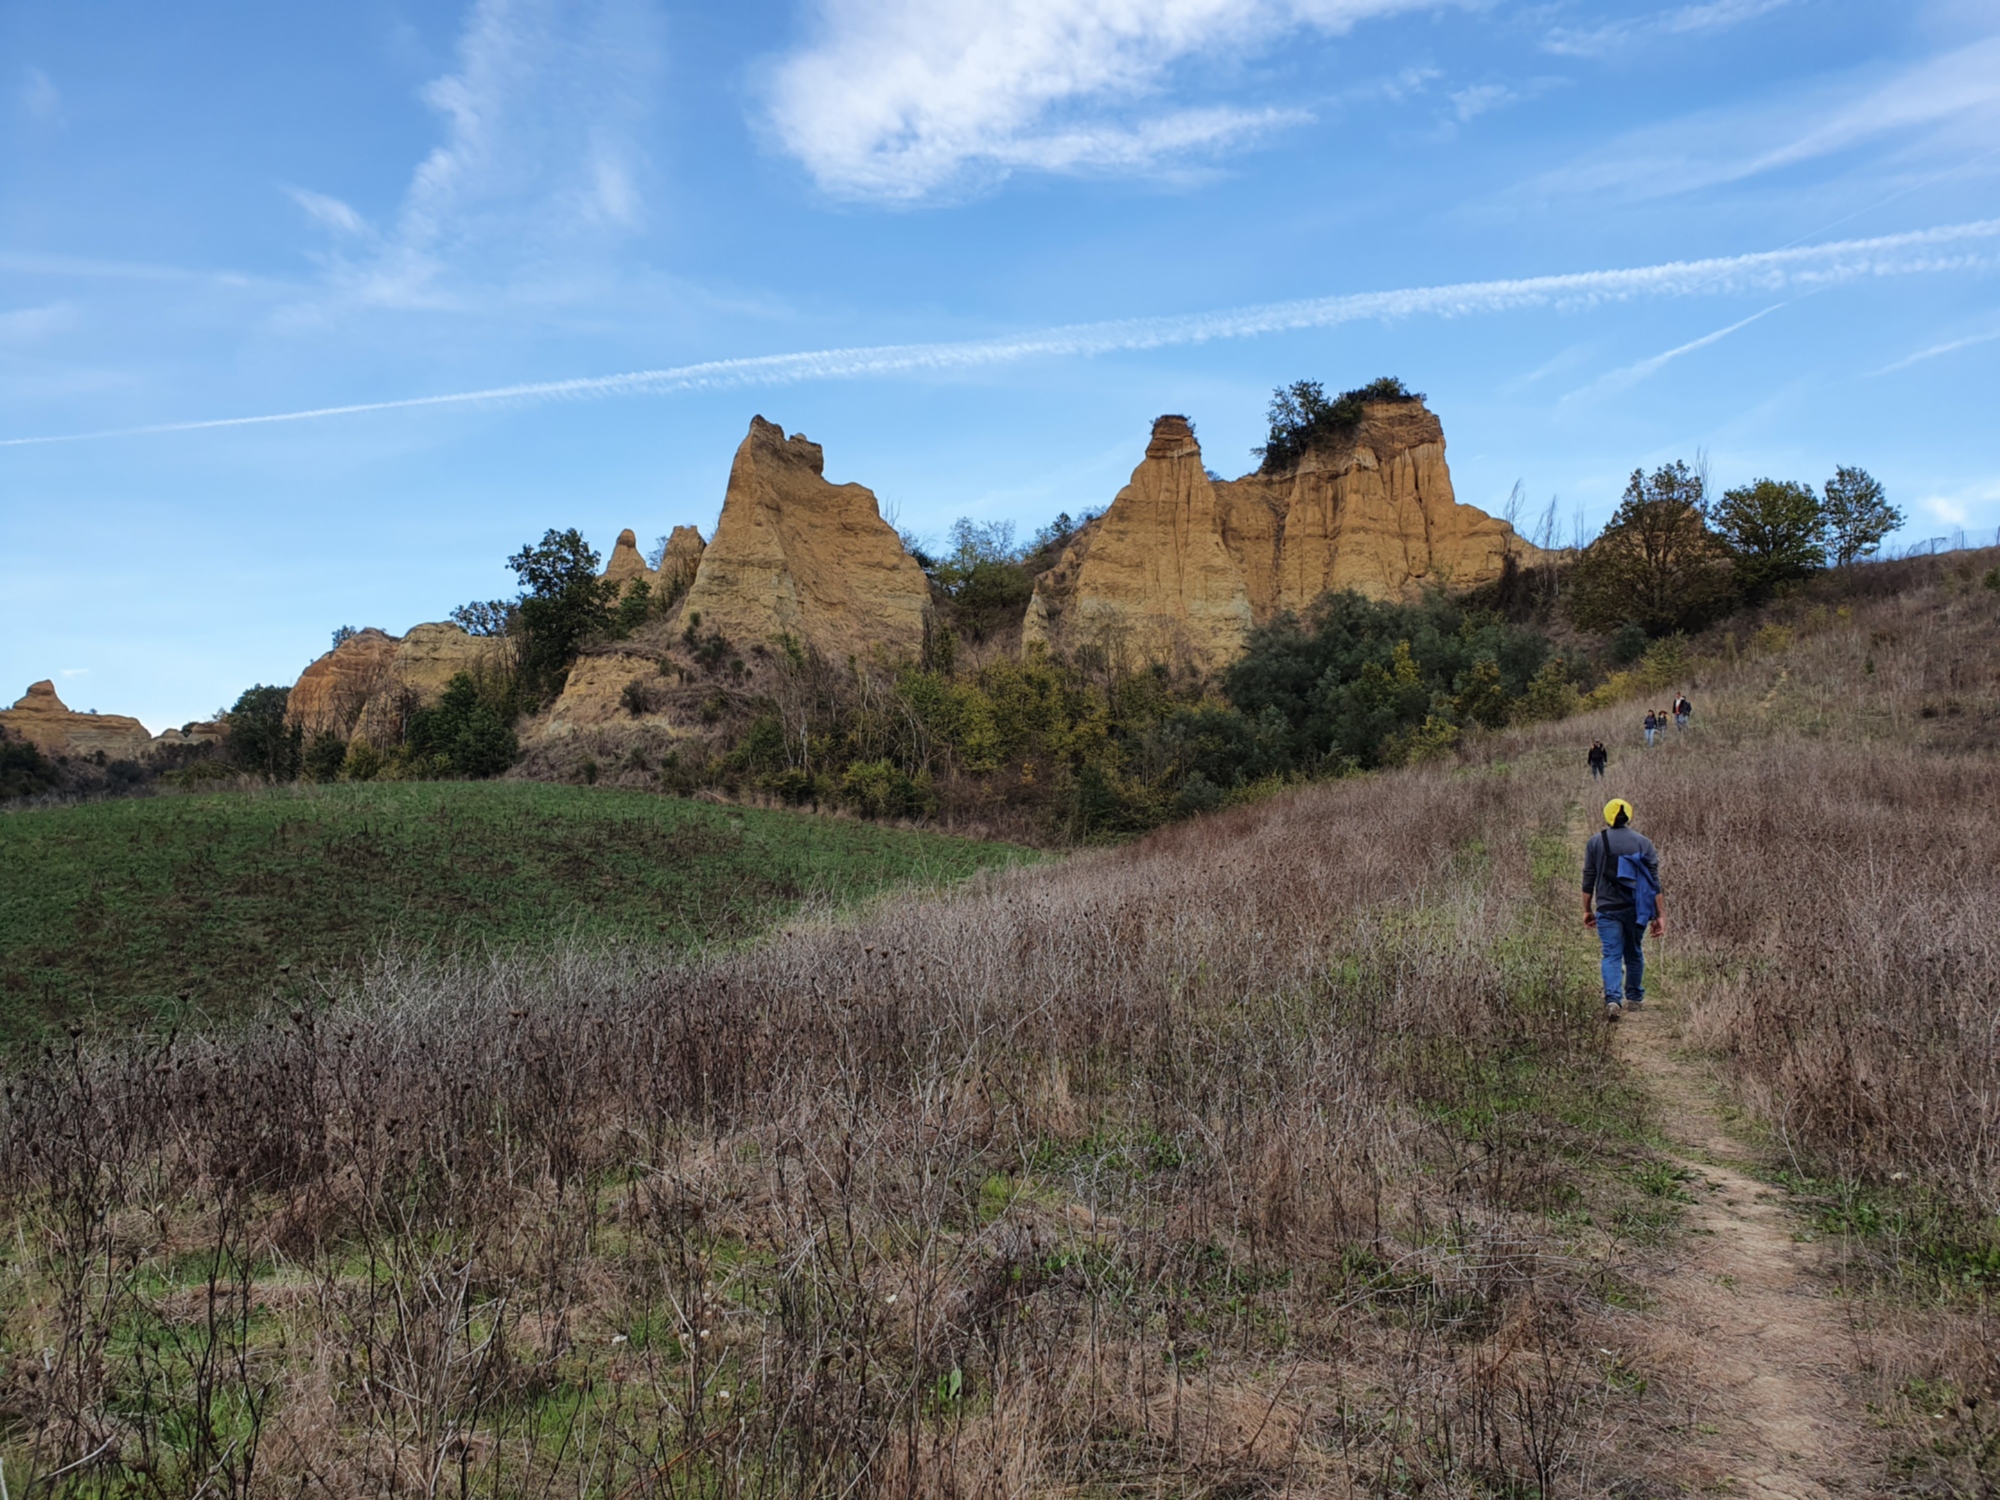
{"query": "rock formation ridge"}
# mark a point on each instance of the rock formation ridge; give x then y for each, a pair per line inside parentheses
(47, 723)
(794, 555)
(1181, 566)
(372, 681)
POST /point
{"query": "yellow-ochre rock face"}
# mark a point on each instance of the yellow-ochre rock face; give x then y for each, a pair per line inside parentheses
(372, 681)
(628, 565)
(47, 723)
(1151, 579)
(1181, 566)
(794, 555)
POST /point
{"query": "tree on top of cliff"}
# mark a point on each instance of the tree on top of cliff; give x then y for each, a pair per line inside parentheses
(1301, 416)
(562, 605)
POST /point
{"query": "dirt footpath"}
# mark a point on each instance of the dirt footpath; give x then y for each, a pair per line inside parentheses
(1744, 1325)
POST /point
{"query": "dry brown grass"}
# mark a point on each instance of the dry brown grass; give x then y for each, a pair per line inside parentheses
(1240, 1161)
(1173, 1169)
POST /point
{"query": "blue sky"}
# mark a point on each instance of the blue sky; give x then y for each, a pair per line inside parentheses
(971, 246)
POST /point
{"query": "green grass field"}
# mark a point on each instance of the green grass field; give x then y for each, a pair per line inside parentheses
(114, 909)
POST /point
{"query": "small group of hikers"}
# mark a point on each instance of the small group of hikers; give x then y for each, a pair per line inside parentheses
(1621, 900)
(1656, 718)
(1656, 725)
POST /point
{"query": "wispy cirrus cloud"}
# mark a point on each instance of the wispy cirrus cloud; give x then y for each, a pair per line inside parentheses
(1938, 350)
(538, 153)
(1950, 101)
(1946, 248)
(897, 100)
(1684, 20)
(1624, 378)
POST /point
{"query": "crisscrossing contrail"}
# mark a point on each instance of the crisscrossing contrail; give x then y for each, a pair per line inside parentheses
(1950, 247)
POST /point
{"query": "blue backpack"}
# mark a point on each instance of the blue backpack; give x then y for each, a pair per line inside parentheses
(1632, 871)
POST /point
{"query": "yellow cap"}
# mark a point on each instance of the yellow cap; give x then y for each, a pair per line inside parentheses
(1613, 808)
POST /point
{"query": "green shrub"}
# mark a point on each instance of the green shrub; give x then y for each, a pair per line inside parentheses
(460, 733)
(325, 756)
(363, 762)
(24, 770)
(1301, 417)
(260, 740)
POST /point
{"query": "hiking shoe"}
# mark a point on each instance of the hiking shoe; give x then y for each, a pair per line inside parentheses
(1635, 1004)
(1612, 1010)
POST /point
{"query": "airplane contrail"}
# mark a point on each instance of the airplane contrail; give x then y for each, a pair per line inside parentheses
(1950, 247)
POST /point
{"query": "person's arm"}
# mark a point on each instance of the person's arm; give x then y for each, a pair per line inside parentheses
(1589, 883)
(1659, 928)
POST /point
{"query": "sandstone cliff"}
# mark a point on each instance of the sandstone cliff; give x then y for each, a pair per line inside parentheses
(1180, 566)
(793, 554)
(41, 718)
(1373, 512)
(330, 693)
(681, 561)
(372, 680)
(1150, 579)
(627, 565)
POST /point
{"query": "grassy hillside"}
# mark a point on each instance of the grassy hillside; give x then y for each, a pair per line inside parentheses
(125, 905)
(1283, 1151)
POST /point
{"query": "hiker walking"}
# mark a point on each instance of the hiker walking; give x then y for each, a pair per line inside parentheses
(1597, 757)
(1652, 727)
(1682, 711)
(1621, 875)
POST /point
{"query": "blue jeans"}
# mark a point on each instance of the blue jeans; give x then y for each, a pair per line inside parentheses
(1595, 769)
(1621, 939)
(1650, 732)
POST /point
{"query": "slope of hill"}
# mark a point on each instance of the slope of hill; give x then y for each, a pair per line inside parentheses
(1282, 1150)
(125, 908)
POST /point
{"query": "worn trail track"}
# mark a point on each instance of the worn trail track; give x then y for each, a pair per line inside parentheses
(1745, 1322)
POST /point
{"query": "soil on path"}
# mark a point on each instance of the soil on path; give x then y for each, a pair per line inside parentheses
(1743, 1320)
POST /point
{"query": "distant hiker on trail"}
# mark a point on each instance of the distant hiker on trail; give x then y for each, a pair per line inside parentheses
(1652, 726)
(1597, 757)
(1621, 874)
(1682, 710)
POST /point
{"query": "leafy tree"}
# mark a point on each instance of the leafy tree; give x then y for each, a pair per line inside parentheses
(484, 617)
(1301, 416)
(343, 633)
(462, 731)
(1858, 515)
(1656, 564)
(1359, 672)
(325, 756)
(24, 770)
(983, 575)
(633, 608)
(1773, 526)
(260, 740)
(562, 605)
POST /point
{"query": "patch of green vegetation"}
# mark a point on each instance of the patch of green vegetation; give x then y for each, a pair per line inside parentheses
(1907, 1236)
(121, 909)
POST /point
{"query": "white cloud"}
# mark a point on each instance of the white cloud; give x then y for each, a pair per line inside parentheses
(537, 163)
(329, 212)
(38, 95)
(1944, 249)
(1952, 347)
(1630, 375)
(900, 99)
(1951, 100)
(1686, 20)
(1468, 103)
